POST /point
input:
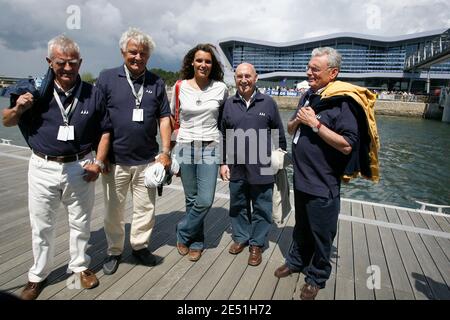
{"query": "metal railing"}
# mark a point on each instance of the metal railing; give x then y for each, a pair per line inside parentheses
(436, 47)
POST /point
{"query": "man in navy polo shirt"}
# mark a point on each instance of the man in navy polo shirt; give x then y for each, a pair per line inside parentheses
(136, 100)
(324, 135)
(250, 120)
(62, 129)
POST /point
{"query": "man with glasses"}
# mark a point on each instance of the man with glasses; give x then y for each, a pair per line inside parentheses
(137, 104)
(62, 129)
(325, 129)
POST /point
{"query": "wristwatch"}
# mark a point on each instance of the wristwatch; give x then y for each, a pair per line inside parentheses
(316, 128)
(100, 164)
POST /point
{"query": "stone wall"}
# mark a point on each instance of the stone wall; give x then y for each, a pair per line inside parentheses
(392, 108)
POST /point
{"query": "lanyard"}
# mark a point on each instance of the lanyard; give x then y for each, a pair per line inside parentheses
(138, 96)
(70, 109)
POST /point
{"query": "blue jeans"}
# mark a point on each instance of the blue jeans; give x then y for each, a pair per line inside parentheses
(199, 167)
(314, 231)
(250, 212)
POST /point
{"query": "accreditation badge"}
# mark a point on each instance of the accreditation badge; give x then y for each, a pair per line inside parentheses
(66, 133)
(138, 115)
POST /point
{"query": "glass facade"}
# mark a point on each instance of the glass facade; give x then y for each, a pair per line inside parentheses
(358, 55)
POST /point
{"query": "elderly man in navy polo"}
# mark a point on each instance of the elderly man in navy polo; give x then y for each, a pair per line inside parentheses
(137, 102)
(250, 120)
(62, 130)
(325, 131)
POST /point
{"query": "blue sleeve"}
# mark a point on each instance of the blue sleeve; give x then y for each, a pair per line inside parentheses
(100, 83)
(347, 125)
(164, 106)
(223, 129)
(103, 115)
(278, 124)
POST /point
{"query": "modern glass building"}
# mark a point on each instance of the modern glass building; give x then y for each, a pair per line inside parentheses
(372, 61)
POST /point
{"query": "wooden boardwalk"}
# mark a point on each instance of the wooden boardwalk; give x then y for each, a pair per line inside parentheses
(408, 249)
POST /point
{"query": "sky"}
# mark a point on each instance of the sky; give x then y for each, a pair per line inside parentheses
(178, 25)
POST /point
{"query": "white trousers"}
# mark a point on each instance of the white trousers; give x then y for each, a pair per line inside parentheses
(115, 188)
(49, 184)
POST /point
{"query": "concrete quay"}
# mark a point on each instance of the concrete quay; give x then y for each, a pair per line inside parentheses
(391, 108)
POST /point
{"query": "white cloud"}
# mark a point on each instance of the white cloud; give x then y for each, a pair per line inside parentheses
(178, 25)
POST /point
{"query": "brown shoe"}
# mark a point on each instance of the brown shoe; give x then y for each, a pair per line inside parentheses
(194, 254)
(182, 249)
(236, 248)
(309, 292)
(255, 256)
(32, 290)
(88, 279)
(283, 271)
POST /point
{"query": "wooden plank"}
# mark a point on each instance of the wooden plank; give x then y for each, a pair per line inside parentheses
(377, 257)
(400, 281)
(405, 247)
(158, 236)
(97, 249)
(346, 208)
(266, 285)
(245, 288)
(438, 223)
(213, 230)
(131, 274)
(345, 281)
(360, 257)
(21, 261)
(196, 273)
(285, 287)
(213, 275)
(230, 278)
(432, 261)
(215, 243)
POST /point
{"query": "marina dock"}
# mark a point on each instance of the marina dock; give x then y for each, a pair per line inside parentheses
(380, 252)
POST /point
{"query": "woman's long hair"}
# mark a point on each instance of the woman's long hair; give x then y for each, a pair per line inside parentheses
(187, 70)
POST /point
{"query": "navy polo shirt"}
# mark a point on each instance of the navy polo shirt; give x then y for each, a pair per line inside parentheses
(89, 118)
(262, 114)
(318, 166)
(133, 143)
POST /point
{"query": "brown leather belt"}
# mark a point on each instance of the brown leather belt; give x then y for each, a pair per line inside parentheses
(63, 159)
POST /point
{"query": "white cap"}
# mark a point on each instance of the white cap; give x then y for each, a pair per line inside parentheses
(279, 160)
(155, 175)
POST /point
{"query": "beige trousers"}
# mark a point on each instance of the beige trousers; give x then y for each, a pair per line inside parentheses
(115, 187)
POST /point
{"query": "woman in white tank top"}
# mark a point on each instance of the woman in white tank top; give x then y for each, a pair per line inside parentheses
(202, 94)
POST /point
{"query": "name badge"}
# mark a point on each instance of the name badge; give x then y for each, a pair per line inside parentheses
(297, 136)
(138, 115)
(66, 133)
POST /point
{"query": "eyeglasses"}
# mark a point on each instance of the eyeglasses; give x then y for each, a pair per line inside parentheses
(62, 63)
(315, 69)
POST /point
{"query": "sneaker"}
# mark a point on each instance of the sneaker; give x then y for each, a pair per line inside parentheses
(111, 264)
(145, 257)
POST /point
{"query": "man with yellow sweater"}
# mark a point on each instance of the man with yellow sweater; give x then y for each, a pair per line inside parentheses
(334, 137)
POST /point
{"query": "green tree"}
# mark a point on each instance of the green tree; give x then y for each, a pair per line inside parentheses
(88, 77)
(169, 77)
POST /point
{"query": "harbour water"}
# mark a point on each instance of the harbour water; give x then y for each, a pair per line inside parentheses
(414, 162)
